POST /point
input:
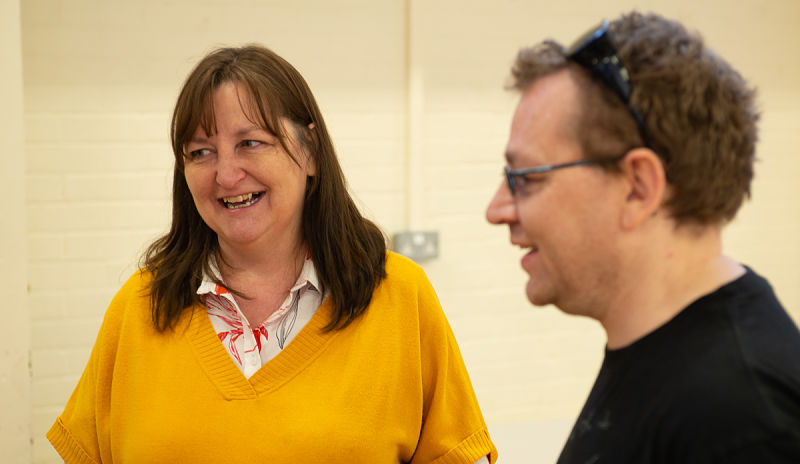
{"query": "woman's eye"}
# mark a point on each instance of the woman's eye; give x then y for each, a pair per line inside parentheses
(197, 154)
(250, 143)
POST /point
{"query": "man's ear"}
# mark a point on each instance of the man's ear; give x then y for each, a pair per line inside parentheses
(645, 183)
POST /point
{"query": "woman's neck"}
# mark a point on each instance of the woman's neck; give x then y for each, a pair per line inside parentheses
(261, 282)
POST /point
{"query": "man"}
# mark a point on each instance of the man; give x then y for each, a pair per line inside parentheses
(628, 153)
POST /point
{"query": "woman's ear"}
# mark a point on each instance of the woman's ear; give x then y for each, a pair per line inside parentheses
(646, 185)
(311, 165)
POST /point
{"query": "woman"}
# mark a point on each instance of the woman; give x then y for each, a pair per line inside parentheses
(269, 324)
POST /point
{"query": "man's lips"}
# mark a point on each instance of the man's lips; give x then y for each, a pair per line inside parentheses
(529, 256)
(524, 245)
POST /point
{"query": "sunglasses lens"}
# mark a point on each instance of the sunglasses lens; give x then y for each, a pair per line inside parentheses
(587, 39)
(596, 51)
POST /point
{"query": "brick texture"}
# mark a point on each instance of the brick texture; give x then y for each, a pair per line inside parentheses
(100, 79)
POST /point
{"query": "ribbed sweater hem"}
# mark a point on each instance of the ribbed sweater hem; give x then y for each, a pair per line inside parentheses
(471, 449)
(67, 447)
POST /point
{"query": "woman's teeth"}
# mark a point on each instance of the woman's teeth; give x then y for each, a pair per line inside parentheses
(241, 201)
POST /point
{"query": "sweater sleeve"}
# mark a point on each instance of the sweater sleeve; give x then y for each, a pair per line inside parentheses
(453, 429)
(80, 434)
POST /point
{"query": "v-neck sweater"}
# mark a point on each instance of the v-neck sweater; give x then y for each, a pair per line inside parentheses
(252, 347)
(391, 387)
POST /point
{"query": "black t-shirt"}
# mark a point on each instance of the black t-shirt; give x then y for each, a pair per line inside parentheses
(719, 383)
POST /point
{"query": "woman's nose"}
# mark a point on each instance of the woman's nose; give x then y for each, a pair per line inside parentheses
(502, 209)
(229, 169)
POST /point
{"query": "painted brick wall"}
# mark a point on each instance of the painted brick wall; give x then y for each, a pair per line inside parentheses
(533, 367)
(15, 378)
(100, 78)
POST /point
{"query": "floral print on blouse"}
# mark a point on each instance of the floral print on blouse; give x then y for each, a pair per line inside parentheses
(252, 347)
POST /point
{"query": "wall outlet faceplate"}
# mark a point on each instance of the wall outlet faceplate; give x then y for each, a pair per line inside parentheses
(417, 245)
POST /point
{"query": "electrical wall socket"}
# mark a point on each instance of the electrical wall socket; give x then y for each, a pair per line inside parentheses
(417, 245)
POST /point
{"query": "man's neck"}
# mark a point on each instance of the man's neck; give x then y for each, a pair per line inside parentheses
(666, 275)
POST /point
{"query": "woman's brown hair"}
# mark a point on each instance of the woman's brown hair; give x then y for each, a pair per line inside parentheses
(348, 250)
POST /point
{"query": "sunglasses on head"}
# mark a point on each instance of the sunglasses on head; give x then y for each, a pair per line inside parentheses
(595, 51)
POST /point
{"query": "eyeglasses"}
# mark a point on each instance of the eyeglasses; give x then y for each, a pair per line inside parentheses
(513, 174)
(596, 51)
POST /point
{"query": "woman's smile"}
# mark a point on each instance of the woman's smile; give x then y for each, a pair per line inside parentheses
(241, 201)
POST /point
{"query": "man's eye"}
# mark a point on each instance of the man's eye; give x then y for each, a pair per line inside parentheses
(527, 182)
(523, 181)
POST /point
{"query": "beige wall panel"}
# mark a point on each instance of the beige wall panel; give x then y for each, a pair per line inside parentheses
(15, 343)
(532, 367)
(100, 79)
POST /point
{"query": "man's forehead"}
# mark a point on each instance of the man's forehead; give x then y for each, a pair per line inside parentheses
(546, 111)
(551, 96)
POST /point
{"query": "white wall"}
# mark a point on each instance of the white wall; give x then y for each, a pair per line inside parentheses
(403, 83)
(15, 344)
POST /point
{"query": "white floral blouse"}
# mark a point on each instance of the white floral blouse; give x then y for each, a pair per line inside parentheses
(252, 347)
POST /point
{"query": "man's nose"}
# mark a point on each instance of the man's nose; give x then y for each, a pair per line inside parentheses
(229, 168)
(502, 209)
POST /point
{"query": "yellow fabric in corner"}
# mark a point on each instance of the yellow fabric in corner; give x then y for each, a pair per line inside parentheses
(392, 387)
